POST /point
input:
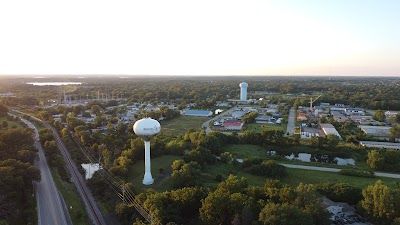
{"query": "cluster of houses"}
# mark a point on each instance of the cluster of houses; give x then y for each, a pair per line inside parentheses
(233, 120)
(125, 113)
(373, 129)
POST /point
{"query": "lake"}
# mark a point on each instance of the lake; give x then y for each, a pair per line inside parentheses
(315, 157)
(53, 83)
(322, 158)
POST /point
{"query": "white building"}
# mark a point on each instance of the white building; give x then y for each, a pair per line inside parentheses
(376, 131)
(380, 145)
(328, 128)
(308, 132)
(390, 113)
(243, 91)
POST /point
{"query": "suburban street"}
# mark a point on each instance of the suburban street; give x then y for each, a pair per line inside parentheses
(51, 209)
(291, 121)
(335, 170)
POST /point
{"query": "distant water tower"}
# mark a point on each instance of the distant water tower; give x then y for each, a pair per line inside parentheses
(146, 128)
(243, 91)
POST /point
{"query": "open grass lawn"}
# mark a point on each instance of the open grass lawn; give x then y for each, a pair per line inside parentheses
(181, 124)
(11, 124)
(136, 172)
(256, 151)
(246, 151)
(295, 176)
(259, 127)
(72, 200)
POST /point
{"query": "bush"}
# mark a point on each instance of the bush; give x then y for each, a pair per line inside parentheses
(357, 173)
(340, 192)
(268, 168)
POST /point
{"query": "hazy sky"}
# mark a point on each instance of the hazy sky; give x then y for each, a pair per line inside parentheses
(207, 37)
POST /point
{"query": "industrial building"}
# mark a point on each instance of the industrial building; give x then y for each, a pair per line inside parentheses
(233, 125)
(376, 131)
(196, 112)
(328, 128)
(380, 145)
(309, 132)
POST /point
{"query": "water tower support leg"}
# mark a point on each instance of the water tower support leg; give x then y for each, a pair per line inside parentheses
(147, 179)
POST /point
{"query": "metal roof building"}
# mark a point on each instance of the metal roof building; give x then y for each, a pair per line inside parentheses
(328, 128)
(195, 112)
(381, 145)
(376, 131)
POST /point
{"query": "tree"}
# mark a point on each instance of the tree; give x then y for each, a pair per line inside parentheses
(268, 168)
(278, 214)
(395, 131)
(331, 140)
(341, 192)
(179, 206)
(375, 160)
(96, 109)
(381, 202)
(379, 116)
(3, 110)
(250, 117)
(222, 205)
(184, 174)
(397, 120)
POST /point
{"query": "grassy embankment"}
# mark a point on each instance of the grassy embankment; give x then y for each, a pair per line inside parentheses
(181, 124)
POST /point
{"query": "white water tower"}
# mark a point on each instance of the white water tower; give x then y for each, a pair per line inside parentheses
(243, 91)
(146, 128)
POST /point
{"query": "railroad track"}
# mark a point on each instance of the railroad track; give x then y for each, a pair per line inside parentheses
(92, 209)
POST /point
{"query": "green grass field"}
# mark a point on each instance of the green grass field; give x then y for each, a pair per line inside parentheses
(295, 176)
(246, 151)
(259, 127)
(160, 183)
(72, 200)
(181, 124)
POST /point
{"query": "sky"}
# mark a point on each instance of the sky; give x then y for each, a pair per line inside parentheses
(207, 37)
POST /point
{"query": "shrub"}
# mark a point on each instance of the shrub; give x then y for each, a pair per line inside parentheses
(340, 192)
(268, 168)
(357, 173)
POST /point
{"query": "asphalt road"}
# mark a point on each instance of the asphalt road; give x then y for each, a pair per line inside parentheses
(87, 198)
(336, 170)
(51, 208)
(92, 208)
(291, 121)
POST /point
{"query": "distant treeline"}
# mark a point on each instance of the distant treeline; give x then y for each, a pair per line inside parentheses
(372, 93)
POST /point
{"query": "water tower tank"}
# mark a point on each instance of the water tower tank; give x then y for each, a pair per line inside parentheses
(146, 127)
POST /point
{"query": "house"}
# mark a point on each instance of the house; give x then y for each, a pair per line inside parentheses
(328, 128)
(234, 125)
(195, 112)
